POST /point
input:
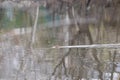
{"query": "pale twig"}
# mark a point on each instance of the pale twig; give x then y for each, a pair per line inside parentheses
(117, 45)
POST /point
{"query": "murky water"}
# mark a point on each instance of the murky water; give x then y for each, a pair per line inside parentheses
(42, 40)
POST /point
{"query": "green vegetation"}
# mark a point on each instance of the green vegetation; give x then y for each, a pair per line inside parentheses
(19, 19)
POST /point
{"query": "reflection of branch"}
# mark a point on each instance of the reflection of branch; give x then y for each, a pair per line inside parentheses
(88, 3)
(115, 53)
(63, 58)
(113, 67)
(61, 61)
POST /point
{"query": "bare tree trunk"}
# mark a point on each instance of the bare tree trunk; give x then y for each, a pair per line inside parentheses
(66, 37)
(35, 26)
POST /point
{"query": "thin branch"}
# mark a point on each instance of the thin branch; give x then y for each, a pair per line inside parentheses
(117, 45)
